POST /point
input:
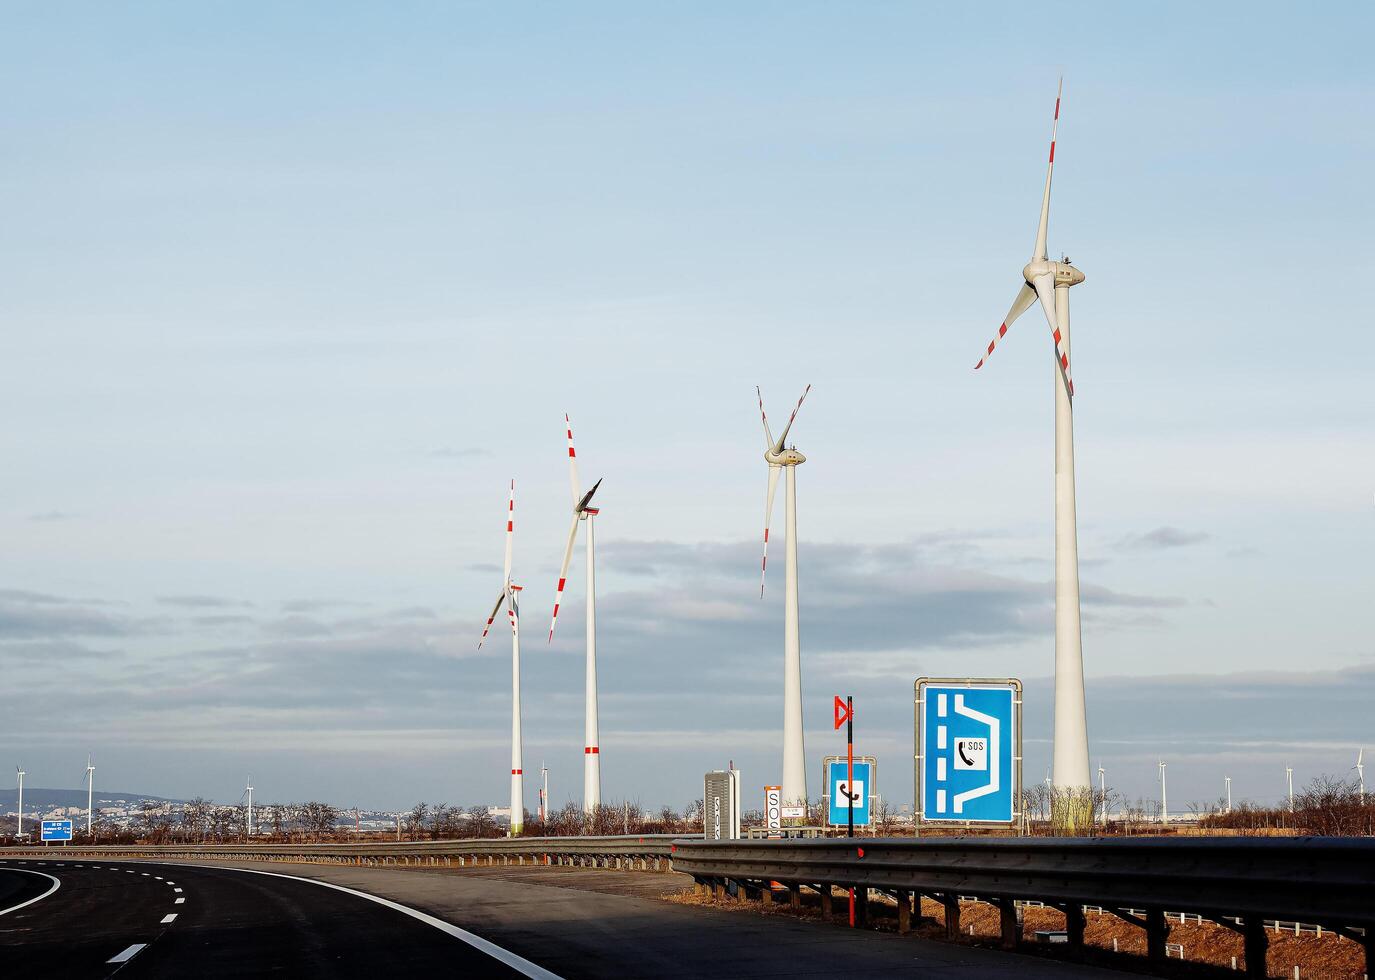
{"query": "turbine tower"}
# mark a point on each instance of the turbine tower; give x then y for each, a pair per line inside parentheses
(780, 456)
(90, 793)
(22, 774)
(1050, 283)
(591, 749)
(1360, 772)
(249, 791)
(509, 595)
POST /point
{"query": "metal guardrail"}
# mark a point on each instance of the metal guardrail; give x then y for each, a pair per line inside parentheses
(1330, 881)
(637, 852)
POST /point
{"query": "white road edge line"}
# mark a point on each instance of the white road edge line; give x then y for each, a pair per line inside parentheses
(518, 963)
(169, 917)
(56, 885)
(128, 954)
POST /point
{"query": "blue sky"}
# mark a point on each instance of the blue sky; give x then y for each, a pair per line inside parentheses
(292, 291)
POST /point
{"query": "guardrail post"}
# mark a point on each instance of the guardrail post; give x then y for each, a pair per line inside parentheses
(1157, 932)
(1008, 925)
(826, 903)
(795, 896)
(904, 912)
(861, 907)
(951, 903)
(1074, 926)
(1368, 941)
(1256, 944)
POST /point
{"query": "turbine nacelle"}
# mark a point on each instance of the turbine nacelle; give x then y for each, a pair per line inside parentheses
(1064, 273)
(787, 457)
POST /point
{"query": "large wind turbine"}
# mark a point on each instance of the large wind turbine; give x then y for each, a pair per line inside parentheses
(780, 456)
(22, 774)
(509, 595)
(1360, 772)
(1050, 282)
(591, 750)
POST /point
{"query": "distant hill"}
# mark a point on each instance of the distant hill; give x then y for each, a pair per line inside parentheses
(38, 798)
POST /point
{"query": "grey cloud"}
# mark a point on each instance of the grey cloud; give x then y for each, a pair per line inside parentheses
(50, 516)
(30, 615)
(297, 626)
(1160, 538)
(202, 602)
(223, 620)
(318, 605)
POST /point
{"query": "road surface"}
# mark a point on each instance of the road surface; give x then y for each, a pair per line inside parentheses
(144, 919)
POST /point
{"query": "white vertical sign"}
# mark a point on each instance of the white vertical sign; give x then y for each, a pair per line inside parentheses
(773, 807)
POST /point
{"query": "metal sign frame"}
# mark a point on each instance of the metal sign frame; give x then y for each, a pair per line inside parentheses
(918, 704)
(870, 792)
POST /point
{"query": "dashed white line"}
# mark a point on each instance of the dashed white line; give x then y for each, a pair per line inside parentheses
(128, 954)
(145, 874)
(169, 917)
(179, 901)
(176, 889)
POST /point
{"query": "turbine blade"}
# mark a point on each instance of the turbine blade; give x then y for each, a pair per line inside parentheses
(563, 574)
(768, 436)
(1041, 229)
(587, 498)
(1025, 297)
(495, 609)
(1045, 289)
(573, 463)
(510, 531)
(768, 519)
(778, 446)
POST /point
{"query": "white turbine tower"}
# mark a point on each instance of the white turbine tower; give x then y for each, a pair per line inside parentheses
(90, 793)
(1360, 772)
(22, 774)
(509, 595)
(249, 791)
(591, 748)
(1050, 282)
(780, 456)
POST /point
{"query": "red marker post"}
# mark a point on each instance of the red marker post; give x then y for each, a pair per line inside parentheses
(845, 715)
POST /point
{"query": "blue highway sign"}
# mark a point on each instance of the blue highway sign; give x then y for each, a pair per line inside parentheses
(56, 830)
(968, 750)
(843, 795)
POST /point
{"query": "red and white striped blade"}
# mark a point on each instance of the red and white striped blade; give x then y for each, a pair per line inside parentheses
(573, 463)
(513, 612)
(768, 519)
(1045, 289)
(563, 575)
(1043, 227)
(510, 531)
(495, 609)
(768, 436)
(782, 440)
(1025, 297)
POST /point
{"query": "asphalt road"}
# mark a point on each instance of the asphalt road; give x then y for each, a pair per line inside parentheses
(245, 923)
(184, 922)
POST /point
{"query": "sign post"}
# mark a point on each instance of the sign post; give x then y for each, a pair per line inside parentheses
(845, 711)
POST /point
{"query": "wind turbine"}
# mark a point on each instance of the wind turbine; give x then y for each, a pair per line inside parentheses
(249, 791)
(591, 750)
(1228, 780)
(22, 774)
(1360, 772)
(90, 793)
(1164, 808)
(781, 456)
(509, 595)
(1050, 283)
(1103, 792)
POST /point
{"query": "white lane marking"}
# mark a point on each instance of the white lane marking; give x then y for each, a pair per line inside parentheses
(179, 901)
(169, 917)
(56, 885)
(518, 963)
(176, 889)
(171, 883)
(158, 877)
(128, 954)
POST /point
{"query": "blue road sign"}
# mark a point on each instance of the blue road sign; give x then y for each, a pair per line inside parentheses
(56, 830)
(968, 750)
(843, 795)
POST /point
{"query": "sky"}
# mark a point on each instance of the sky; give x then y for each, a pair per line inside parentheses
(293, 291)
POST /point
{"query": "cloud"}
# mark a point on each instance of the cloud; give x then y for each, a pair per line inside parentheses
(1161, 538)
(51, 516)
(317, 605)
(34, 615)
(201, 602)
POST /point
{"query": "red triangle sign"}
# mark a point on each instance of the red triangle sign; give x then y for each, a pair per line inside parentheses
(842, 711)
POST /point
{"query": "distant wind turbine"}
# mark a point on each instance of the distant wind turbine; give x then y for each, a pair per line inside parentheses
(780, 456)
(90, 793)
(1360, 772)
(1050, 282)
(22, 774)
(583, 512)
(509, 595)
